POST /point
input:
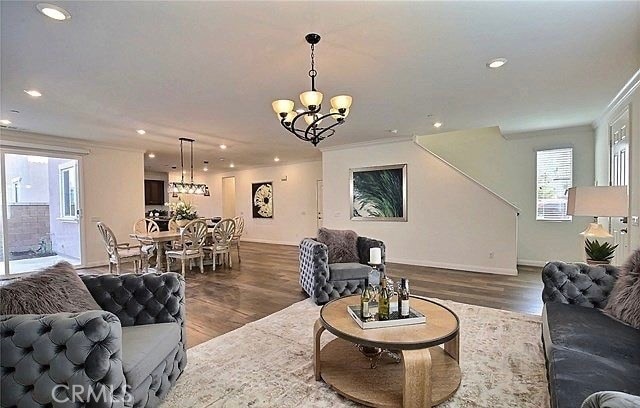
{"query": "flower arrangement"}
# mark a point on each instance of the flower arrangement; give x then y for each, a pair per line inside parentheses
(183, 211)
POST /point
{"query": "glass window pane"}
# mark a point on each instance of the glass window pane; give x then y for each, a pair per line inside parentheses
(554, 175)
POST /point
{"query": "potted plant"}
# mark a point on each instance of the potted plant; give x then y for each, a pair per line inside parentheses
(183, 212)
(599, 253)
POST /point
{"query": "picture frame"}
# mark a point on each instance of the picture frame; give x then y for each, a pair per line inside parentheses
(262, 200)
(378, 193)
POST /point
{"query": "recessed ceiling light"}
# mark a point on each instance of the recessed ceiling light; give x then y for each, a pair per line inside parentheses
(5, 122)
(205, 169)
(437, 124)
(151, 156)
(232, 165)
(223, 146)
(141, 131)
(54, 12)
(496, 62)
(276, 159)
(33, 92)
(206, 165)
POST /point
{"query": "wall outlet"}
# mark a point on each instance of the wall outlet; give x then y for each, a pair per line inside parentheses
(635, 221)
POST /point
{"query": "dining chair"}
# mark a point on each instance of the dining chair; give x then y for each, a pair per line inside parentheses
(235, 241)
(143, 227)
(221, 244)
(174, 227)
(192, 240)
(120, 253)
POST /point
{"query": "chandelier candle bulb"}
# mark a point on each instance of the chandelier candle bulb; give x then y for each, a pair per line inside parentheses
(375, 256)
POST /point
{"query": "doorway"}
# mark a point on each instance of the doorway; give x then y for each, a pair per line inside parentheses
(228, 197)
(319, 195)
(40, 209)
(619, 136)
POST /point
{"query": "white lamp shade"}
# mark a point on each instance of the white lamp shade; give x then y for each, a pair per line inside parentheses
(311, 98)
(599, 201)
(341, 101)
(282, 106)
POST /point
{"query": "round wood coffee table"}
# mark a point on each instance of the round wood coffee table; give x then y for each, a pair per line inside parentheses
(427, 375)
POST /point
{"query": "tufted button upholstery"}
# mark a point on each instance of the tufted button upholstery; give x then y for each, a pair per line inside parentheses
(33, 360)
(314, 270)
(41, 353)
(578, 283)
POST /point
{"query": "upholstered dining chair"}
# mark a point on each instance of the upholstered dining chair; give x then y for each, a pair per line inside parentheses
(235, 241)
(221, 244)
(141, 228)
(192, 240)
(119, 253)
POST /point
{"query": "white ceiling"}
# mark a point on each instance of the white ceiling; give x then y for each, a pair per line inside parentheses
(210, 70)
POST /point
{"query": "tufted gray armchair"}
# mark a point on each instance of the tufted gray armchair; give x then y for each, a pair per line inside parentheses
(128, 354)
(578, 283)
(323, 281)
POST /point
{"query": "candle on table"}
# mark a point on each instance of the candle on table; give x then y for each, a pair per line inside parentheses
(375, 256)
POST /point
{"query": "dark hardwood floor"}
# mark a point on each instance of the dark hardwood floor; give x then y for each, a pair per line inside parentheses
(267, 281)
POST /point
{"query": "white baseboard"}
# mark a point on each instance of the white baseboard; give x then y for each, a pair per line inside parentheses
(270, 241)
(529, 262)
(458, 267)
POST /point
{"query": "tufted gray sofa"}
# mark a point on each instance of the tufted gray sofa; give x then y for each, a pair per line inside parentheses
(128, 354)
(323, 281)
(586, 351)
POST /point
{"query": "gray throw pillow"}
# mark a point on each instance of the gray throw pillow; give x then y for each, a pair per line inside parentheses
(342, 244)
(53, 290)
(624, 301)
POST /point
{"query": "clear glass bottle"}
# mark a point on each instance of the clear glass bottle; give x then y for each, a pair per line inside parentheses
(403, 299)
(384, 301)
(365, 298)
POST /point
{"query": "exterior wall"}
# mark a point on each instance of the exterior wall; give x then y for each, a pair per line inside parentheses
(27, 225)
(65, 235)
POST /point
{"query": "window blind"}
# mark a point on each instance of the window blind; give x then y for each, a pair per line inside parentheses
(554, 175)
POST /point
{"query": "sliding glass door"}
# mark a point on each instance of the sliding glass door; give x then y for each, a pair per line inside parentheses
(41, 214)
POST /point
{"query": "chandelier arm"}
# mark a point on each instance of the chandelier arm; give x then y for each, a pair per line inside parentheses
(315, 128)
(327, 129)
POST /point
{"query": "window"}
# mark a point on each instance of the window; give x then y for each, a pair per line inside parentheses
(554, 175)
(68, 191)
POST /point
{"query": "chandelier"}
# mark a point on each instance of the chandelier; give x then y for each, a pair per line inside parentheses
(312, 102)
(187, 188)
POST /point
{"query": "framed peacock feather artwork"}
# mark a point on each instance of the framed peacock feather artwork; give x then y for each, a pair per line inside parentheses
(262, 199)
(379, 193)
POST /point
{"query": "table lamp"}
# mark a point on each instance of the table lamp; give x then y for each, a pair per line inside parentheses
(598, 201)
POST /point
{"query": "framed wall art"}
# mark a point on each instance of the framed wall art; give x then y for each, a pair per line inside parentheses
(262, 199)
(379, 193)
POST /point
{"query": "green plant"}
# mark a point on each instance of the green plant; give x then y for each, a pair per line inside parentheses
(183, 211)
(378, 193)
(597, 251)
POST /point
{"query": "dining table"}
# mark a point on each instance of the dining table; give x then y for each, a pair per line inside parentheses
(158, 238)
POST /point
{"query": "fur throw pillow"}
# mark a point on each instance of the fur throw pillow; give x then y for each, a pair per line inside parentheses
(624, 301)
(342, 244)
(52, 290)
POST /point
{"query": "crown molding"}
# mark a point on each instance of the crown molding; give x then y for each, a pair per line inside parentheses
(12, 137)
(376, 142)
(621, 98)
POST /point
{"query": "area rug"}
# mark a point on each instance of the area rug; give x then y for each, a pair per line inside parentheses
(268, 363)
